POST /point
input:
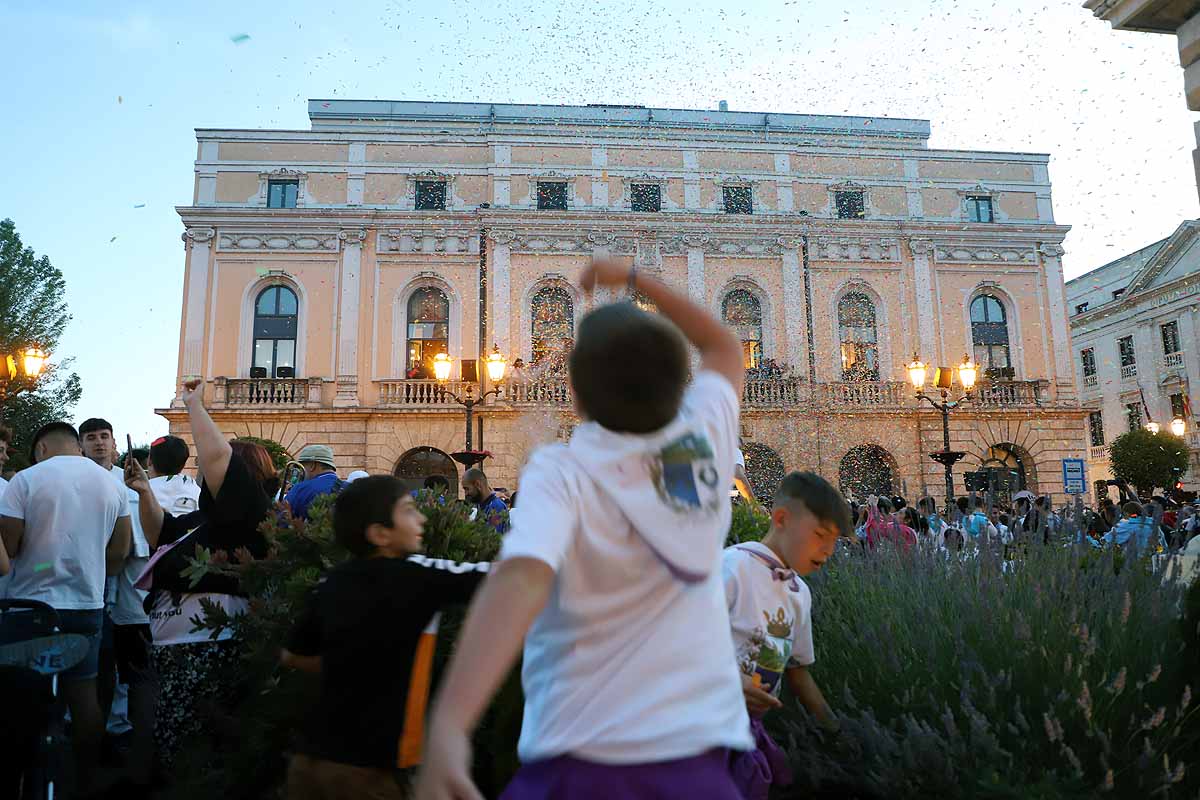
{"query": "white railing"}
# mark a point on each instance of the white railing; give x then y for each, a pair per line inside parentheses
(417, 393)
(866, 394)
(1089, 380)
(1099, 453)
(772, 392)
(1173, 360)
(541, 392)
(260, 392)
(1009, 394)
(1129, 371)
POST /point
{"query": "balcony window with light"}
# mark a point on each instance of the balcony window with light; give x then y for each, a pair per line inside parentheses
(1096, 428)
(1133, 416)
(276, 313)
(282, 194)
(989, 336)
(1178, 406)
(428, 330)
(1170, 338)
(858, 337)
(979, 209)
(742, 311)
(1126, 352)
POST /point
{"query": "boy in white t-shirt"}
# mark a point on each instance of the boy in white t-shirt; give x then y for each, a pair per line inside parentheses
(612, 567)
(770, 613)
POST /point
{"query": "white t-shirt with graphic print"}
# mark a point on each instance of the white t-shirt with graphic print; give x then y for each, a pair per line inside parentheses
(772, 625)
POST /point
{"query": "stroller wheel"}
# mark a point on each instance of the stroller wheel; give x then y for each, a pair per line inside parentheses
(46, 655)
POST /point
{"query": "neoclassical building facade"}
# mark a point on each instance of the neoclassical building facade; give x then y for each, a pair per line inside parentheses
(326, 268)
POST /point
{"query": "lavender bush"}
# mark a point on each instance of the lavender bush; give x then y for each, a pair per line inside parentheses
(1062, 675)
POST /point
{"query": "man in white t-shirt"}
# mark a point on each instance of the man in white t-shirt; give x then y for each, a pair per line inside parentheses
(5, 442)
(611, 574)
(65, 525)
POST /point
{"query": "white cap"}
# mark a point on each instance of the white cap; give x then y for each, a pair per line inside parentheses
(353, 476)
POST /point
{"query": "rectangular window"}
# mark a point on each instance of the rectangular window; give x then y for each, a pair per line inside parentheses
(1117, 294)
(645, 197)
(1125, 349)
(552, 195)
(1177, 407)
(1096, 428)
(738, 199)
(1088, 359)
(850, 205)
(1170, 338)
(282, 194)
(431, 196)
(1082, 307)
(979, 209)
(1133, 415)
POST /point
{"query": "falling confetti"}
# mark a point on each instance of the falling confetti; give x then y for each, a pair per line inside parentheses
(140, 205)
(110, 241)
(239, 38)
(120, 99)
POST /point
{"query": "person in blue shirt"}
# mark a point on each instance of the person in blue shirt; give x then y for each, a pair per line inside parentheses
(478, 492)
(1135, 527)
(320, 478)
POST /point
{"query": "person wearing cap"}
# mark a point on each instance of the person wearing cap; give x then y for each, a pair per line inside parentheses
(320, 478)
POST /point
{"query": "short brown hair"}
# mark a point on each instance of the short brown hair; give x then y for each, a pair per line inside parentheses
(257, 459)
(629, 369)
(6, 434)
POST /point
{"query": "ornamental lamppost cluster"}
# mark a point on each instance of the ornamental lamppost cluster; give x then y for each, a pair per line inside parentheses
(1178, 426)
(495, 364)
(943, 381)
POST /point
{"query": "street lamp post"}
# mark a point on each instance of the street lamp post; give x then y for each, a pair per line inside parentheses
(495, 364)
(944, 380)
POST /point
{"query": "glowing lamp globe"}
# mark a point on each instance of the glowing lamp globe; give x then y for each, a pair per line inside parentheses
(967, 373)
(1153, 427)
(916, 373)
(441, 367)
(496, 364)
(1178, 426)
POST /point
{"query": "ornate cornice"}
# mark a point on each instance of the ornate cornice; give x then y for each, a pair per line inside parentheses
(920, 247)
(972, 253)
(1052, 250)
(828, 248)
(428, 240)
(353, 237)
(301, 242)
(195, 236)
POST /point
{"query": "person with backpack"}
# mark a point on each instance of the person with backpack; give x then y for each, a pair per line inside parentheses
(883, 526)
(978, 525)
(320, 478)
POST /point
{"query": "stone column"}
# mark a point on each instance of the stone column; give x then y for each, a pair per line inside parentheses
(602, 241)
(349, 281)
(922, 250)
(198, 241)
(695, 267)
(500, 281)
(1064, 374)
(599, 182)
(1149, 360)
(356, 175)
(793, 302)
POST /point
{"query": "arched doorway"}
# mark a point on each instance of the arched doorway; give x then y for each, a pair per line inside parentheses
(419, 463)
(764, 468)
(867, 470)
(1015, 468)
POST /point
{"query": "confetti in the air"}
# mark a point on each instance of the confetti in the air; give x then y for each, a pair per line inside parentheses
(239, 38)
(140, 205)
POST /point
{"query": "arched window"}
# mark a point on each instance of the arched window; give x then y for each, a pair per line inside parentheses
(764, 468)
(428, 330)
(421, 463)
(1013, 470)
(858, 337)
(989, 335)
(275, 323)
(553, 328)
(866, 470)
(742, 311)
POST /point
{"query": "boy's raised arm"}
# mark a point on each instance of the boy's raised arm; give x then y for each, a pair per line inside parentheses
(496, 624)
(720, 351)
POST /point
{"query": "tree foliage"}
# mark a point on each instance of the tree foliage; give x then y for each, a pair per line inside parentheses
(33, 313)
(279, 454)
(1149, 460)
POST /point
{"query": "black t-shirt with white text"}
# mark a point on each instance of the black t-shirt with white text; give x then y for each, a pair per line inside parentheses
(365, 619)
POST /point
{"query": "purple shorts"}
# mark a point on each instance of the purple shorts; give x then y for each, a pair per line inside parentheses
(704, 776)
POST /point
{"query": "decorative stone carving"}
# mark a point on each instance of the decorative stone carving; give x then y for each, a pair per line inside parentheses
(789, 242)
(299, 242)
(353, 237)
(845, 249)
(966, 253)
(648, 256)
(695, 239)
(194, 236)
(435, 240)
(503, 237)
(1052, 250)
(920, 247)
(602, 238)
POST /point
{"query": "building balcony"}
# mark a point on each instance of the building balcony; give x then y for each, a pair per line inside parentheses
(1011, 394)
(543, 392)
(1098, 453)
(265, 393)
(774, 393)
(420, 393)
(1172, 360)
(1089, 381)
(1128, 371)
(856, 394)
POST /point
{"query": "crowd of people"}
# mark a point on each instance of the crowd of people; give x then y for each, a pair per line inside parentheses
(612, 566)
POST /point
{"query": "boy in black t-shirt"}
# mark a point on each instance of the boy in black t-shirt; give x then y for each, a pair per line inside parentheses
(369, 631)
